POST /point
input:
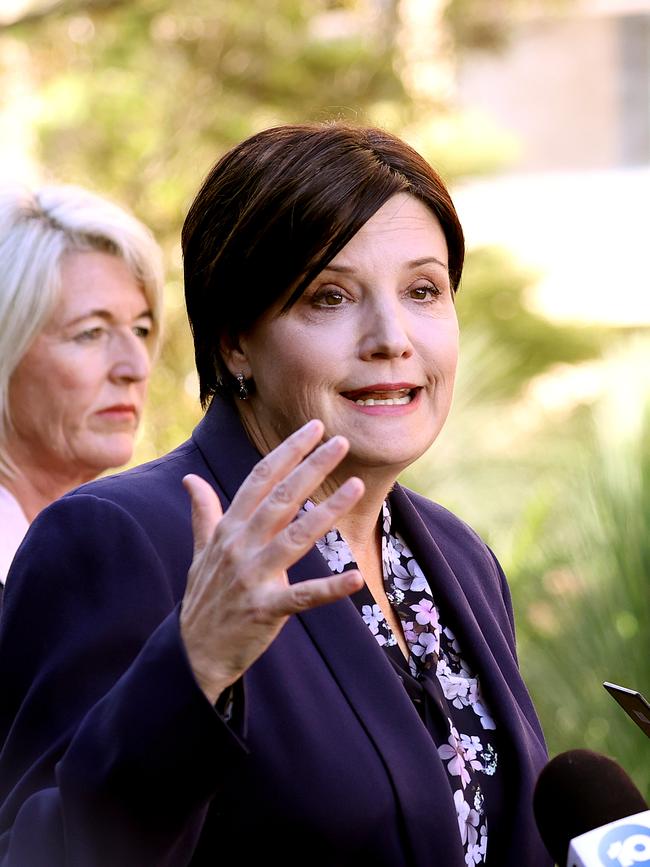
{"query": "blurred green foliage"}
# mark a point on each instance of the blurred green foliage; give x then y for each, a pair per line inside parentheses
(492, 302)
(580, 574)
(138, 99)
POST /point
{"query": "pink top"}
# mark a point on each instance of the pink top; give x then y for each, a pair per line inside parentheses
(13, 526)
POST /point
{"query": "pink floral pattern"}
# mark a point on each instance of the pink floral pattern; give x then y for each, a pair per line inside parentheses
(434, 652)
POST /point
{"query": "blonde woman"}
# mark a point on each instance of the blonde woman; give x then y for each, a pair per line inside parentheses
(80, 305)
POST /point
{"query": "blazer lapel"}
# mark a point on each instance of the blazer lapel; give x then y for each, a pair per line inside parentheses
(485, 647)
(368, 681)
(467, 607)
(222, 441)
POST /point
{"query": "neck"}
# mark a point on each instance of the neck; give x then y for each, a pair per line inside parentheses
(359, 527)
(35, 488)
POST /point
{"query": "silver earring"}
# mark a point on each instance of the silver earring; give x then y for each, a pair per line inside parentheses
(242, 394)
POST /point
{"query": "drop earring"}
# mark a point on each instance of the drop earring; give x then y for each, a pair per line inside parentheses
(242, 394)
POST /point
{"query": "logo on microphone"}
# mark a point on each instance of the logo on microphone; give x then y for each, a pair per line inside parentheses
(625, 846)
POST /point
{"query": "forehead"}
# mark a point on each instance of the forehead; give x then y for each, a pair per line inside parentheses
(402, 226)
(98, 280)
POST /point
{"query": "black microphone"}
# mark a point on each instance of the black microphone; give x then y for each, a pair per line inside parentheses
(579, 792)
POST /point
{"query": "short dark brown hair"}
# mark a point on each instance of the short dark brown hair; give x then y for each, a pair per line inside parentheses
(276, 209)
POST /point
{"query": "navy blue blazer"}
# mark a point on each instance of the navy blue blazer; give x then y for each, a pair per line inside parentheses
(113, 757)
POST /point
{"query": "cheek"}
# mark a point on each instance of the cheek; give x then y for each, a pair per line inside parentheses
(295, 348)
(290, 384)
(70, 386)
(54, 394)
(33, 391)
(290, 363)
(451, 354)
(441, 351)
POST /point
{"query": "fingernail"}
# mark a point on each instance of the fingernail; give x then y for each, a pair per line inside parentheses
(311, 425)
(351, 487)
(352, 581)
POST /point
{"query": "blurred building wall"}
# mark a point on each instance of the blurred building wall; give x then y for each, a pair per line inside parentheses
(575, 90)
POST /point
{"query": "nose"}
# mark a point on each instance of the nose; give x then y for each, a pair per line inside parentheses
(385, 334)
(130, 361)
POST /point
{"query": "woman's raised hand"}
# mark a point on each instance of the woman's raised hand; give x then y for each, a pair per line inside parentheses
(238, 595)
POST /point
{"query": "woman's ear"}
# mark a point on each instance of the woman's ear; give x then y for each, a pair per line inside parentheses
(234, 356)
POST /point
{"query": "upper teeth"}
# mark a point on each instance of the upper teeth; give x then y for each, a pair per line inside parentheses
(388, 401)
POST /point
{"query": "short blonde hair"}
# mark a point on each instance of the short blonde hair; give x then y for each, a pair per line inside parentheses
(36, 229)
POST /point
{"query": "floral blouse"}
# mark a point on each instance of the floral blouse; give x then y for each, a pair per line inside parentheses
(441, 684)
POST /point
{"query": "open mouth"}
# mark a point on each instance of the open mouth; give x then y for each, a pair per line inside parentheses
(392, 397)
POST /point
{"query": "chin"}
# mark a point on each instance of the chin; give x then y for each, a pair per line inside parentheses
(110, 456)
(398, 452)
(384, 458)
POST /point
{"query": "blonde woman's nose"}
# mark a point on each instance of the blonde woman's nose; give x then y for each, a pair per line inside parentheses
(130, 359)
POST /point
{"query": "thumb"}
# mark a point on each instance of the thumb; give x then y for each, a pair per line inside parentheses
(206, 510)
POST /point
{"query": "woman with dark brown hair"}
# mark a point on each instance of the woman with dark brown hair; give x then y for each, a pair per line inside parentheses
(312, 664)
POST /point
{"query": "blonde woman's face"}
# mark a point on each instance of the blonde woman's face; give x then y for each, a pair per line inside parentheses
(76, 397)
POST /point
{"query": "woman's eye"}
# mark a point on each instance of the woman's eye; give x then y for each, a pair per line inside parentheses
(424, 293)
(142, 331)
(329, 298)
(89, 334)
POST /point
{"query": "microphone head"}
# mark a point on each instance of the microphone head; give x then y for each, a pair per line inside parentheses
(578, 791)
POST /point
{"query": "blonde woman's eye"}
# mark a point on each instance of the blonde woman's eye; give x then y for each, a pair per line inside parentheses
(88, 335)
(142, 331)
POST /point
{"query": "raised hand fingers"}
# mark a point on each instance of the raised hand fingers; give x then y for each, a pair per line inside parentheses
(238, 595)
(310, 594)
(281, 503)
(300, 535)
(274, 467)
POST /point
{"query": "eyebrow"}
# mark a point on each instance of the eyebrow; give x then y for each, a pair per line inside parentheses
(107, 316)
(413, 263)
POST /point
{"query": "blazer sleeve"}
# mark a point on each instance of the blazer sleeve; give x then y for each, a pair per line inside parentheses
(111, 752)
